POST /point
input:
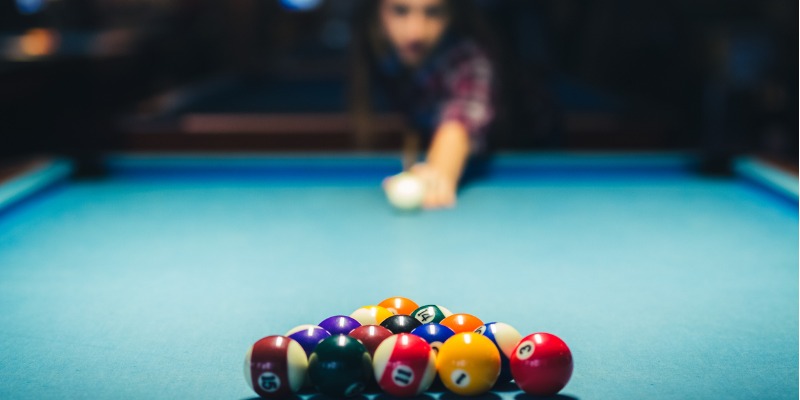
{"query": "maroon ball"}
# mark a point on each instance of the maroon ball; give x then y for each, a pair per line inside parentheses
(275, 367)
(371, 336)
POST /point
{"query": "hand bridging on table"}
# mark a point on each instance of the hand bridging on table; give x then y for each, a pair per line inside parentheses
(440, 187)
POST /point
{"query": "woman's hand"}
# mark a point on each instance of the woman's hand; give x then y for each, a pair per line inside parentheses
(440, 187)
(443, 167)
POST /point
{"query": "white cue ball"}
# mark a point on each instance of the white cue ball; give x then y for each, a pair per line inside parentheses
(405, 191)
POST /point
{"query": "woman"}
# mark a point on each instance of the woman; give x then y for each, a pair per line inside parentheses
(431, 58)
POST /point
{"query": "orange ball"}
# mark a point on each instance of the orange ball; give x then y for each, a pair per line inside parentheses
(399, 305)
(462, 323)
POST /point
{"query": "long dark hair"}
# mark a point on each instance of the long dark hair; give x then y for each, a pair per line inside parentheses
(368, 46)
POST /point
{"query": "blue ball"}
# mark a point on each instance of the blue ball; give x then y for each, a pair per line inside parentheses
(435, 334)
(506, 338)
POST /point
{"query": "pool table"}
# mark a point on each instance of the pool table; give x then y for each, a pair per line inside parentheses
(152, 282)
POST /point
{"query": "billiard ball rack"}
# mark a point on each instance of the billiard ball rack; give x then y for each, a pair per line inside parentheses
(401, 348)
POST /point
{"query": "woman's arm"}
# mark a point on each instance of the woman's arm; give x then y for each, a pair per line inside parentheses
(464, 116)
(444, 164)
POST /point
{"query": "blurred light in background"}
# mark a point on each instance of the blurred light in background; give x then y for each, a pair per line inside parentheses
(300, 5)
(38, 42)
(28, 7)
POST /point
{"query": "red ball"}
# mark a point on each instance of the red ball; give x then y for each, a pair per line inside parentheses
(371, 336)
(541, 364)
(404, 365)
(275, 367)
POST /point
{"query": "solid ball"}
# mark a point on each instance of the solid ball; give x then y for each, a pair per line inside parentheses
(275, 367)
(371, 315)
(506, 338)
(400, 323)
(370, 336)
(339, 324)
(434, 334)
(541, 364)
(405, 191)
(308, 336)
(431, 313)
(340, 367)
(404, 365)
(462, 323)
(399, 305)
(468, 364)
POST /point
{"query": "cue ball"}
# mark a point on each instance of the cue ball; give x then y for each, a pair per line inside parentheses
(541, 364)
(405, 191)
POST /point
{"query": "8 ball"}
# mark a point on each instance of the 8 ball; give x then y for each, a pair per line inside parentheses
(400, 324)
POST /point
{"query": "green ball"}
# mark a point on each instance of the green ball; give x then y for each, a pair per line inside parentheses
(431, 314)
(340, 366)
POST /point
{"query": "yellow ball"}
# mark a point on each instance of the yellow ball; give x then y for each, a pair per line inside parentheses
(468, 364)
(371, 315)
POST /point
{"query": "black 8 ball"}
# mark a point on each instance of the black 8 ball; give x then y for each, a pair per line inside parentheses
(400, 324)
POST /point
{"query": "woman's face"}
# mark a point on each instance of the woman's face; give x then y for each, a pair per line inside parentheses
(414, 26)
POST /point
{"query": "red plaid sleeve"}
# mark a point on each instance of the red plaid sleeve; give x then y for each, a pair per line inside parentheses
(468, 97)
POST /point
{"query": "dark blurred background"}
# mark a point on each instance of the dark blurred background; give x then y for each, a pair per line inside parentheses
(79, 77)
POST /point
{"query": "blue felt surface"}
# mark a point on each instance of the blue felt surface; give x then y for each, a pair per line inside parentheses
(138, 286)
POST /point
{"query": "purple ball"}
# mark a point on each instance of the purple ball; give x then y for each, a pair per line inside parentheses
(339, 324)
(308, 336)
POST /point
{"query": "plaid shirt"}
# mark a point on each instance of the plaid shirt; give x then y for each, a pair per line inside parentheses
(454, 84)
